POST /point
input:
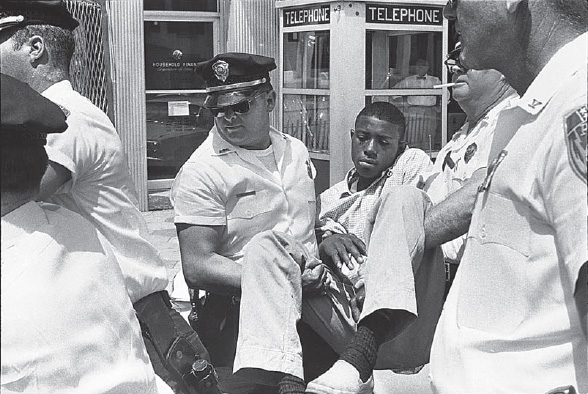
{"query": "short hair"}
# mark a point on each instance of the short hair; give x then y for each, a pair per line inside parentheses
(387, 112)
(22, 168)
(59, 42)
(574, 11)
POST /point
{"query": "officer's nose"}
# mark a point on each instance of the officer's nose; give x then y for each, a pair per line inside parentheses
(229, 114)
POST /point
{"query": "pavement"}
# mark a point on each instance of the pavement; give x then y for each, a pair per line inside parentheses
(162, 233)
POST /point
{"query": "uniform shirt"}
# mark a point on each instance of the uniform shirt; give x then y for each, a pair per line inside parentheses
(101, 188)
(510, 323)
(416, 82)
(224, 185)
(67, 323)
(458, 160)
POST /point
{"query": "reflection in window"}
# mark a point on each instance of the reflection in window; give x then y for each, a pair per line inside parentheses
(306, 117)
(176, 125)
(394, 56)
(172, 50)
(306, 60)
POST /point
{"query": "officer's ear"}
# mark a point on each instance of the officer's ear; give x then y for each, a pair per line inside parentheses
(37, 48)
(270, 100)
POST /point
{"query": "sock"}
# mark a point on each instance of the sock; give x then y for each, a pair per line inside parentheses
(362, 351)
(291, 384)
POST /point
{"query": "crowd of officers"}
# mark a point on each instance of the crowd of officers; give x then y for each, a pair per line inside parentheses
(469, 273)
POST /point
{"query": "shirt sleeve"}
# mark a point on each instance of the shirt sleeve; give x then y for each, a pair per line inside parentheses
(197, 196)
(414, 162)
(565, 190)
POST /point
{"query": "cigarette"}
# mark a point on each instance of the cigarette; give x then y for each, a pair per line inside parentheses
(446, 85)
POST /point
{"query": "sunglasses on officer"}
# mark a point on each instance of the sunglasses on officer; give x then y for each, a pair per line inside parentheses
(452, 61)
(240, 108)
(452, 4)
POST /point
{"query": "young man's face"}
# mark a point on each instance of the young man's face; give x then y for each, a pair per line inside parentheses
(374, 145)
(249, 130)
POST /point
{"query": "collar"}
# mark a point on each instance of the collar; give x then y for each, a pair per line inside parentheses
(25, 219)
(57, 87)
(566, 62)
(221, 147)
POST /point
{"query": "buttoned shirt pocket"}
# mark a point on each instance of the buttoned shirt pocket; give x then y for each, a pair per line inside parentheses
(494, 280)
(249, 212)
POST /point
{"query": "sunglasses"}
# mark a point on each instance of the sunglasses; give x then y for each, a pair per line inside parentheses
(452, 3)
(240, 108)
(452, 61)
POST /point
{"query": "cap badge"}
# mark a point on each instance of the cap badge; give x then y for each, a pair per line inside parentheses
(221, 70)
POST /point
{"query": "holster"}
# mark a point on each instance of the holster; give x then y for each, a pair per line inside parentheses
(171, 343)
(216, 319)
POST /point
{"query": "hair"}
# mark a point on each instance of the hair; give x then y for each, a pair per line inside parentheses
(574, 11)
(59, 42)
(22, 168)
(387, 112)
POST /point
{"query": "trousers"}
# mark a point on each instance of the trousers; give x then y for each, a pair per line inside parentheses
(399, 275)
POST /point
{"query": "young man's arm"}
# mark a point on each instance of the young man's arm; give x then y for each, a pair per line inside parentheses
(451, 217)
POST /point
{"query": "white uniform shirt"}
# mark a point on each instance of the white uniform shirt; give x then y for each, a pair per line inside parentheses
(101, 188)
(458, 160)
(68, 326)
(510, 323)
(223, 185)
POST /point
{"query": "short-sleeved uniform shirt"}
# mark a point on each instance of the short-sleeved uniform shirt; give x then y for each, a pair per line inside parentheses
(510, 323)
(224, 185)
(68, 325)
(101, 188)
(458, 160)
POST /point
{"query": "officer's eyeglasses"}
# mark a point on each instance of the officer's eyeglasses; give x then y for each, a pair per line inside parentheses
(240, 108)
(452, 61)
(452, 4)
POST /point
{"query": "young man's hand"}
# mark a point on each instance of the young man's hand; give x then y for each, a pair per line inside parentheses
(337, 249)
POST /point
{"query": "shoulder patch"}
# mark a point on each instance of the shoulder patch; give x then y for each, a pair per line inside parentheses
(575, 127)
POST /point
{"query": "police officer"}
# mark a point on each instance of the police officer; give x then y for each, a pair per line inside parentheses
(88, 172)
(248, 178)
(515, 317)
(52, 342)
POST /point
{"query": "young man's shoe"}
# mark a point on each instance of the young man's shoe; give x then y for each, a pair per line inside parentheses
(342, 378)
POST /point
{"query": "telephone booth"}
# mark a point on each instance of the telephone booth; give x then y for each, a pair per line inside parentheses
(338, 56)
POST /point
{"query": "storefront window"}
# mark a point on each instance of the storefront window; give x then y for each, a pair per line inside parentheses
(176, 122)
(172, 50)
(181, 5)
(306, 117)
(176, 125)
(306, 60)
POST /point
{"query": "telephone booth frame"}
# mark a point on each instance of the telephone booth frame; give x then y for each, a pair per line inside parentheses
(337, 56)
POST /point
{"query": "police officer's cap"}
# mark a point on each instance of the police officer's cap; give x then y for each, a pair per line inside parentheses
(233, 77)
(26, 116)
(18, 13)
